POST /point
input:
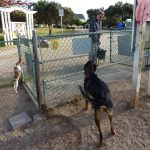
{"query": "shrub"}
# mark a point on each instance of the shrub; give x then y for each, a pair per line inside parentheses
(55, 44)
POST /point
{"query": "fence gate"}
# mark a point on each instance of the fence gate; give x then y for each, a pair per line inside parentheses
(25, 47)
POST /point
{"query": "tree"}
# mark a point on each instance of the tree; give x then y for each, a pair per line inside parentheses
(47, 13)
(119, 11)
(68, 16)
(76, 21)
(40, 7)
(113, 13)
(18, 16)
(52, 14)
(93, 12)
(127, 10)
(110, 19)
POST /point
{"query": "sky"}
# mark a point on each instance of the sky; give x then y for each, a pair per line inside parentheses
(81, 6)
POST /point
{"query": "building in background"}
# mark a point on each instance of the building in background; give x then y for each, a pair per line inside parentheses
(80, 17)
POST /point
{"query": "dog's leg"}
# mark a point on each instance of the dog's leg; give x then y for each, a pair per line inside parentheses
(98, 116)
(110, 116)
(86, 105)
(16, 86)
(17, 76)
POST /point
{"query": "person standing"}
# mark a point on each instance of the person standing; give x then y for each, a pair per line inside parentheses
(95, 26)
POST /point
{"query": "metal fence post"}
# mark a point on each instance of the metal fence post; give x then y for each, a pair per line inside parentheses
(18, 47)
(37, 73)
(110, 45)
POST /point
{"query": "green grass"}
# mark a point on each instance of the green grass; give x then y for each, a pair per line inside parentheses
(1, 37)
(2, 44)
(6, 84)
(43, 31)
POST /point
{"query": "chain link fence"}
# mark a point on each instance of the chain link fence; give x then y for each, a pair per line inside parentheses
(146, 61)
(8, 59)
(63, 57)
(120, 42)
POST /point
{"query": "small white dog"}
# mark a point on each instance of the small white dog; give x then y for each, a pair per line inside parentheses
(17, 74)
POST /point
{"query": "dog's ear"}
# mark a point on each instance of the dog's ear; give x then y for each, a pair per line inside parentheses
(20, 62)
(89, 68)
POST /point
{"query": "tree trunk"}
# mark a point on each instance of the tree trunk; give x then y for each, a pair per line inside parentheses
(50, 28)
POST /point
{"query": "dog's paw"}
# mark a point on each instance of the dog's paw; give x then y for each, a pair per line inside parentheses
(16, 91)
(85, 109)
(113, 132)
(101, 145)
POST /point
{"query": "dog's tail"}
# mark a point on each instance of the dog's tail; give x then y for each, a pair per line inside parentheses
(86, 97)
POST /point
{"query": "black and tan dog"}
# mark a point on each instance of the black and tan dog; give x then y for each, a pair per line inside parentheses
(97, 92)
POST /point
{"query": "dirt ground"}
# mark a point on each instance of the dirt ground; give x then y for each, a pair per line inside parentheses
(68, 127)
